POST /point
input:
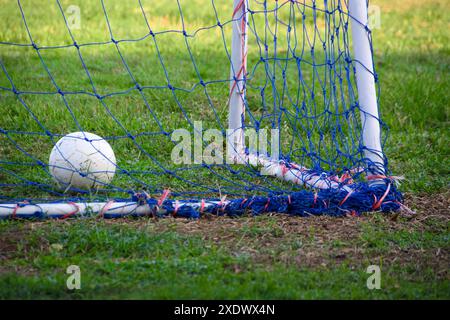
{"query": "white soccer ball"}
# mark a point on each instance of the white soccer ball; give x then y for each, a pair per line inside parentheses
(82, 160)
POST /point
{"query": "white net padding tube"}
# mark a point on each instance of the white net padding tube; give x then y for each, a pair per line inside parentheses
(73, 209)
(365, 82)
(293, 173)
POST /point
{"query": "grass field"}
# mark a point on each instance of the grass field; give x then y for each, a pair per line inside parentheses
(269, 256)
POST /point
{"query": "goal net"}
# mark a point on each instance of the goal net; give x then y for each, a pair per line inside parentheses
(210, 106)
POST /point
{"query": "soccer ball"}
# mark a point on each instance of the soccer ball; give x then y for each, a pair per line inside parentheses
(82, 160)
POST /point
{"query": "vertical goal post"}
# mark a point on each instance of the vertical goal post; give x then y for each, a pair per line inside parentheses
(319, 192)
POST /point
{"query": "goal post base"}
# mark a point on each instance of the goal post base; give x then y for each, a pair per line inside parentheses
(353, 200)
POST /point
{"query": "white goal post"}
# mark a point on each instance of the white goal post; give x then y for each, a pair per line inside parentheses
(238, 71)
(365, 82)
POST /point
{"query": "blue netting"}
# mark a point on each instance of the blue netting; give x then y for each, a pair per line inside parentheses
(136, 71)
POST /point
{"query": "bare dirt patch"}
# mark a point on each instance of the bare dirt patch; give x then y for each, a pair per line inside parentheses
(324, 241)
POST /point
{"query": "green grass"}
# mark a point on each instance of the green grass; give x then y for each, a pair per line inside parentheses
(266, 257)
(158, 260)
